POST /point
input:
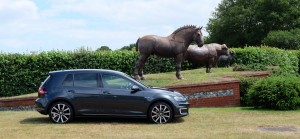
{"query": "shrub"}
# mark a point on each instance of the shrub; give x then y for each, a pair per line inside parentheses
(258, 58)
(281, 93)
(245, 84)
(284, 39)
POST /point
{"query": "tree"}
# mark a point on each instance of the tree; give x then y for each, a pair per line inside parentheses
(129, 48)
(239, 22)
(104, 48)
(283, 39)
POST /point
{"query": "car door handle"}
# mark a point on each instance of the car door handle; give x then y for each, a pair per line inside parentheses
(71, 91)
(106, 92)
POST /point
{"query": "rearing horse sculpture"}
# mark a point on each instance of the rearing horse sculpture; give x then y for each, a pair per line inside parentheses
(173, 46)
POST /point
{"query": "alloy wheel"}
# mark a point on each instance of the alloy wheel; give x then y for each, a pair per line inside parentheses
(61, 113)
(161, 113)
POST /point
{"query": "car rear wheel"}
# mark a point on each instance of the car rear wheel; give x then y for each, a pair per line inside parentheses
(61, 112)
(160, 113)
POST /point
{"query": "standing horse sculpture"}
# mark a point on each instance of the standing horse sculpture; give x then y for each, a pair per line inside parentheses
(173, 46)
(207, 54)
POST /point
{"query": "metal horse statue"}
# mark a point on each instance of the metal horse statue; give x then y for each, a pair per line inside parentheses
(173, 46)
(207, 54)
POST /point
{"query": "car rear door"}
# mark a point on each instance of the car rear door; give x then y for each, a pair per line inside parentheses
(85, 92)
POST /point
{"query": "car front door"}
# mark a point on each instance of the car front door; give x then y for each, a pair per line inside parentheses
(121, 99)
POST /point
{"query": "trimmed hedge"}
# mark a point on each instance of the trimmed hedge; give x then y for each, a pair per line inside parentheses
(280, 93)
(260, 57)
(23, 73)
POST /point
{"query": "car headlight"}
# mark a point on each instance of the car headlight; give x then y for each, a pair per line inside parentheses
(179, 98)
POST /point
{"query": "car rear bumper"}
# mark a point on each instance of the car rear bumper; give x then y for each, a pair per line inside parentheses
(39, 106)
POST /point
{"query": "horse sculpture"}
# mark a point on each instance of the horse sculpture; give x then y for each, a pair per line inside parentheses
(207, 54)
(175, 45)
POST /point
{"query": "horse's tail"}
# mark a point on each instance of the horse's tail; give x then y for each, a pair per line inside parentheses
(136, 45)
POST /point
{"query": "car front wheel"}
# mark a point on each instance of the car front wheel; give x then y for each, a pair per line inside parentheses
(160, 113)
(61, 112)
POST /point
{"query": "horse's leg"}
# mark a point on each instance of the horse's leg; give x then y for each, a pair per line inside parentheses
(138, 70)
(143, 61)
(179, 59)
(209, 65)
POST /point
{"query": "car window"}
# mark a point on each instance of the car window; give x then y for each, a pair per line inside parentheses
(85, 80)
(116, 82)
(68, 80)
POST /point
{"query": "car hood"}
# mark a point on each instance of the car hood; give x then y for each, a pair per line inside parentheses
(166, 91)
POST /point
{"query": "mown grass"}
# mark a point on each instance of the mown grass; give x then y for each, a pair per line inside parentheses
(205, 123)
(190, 77)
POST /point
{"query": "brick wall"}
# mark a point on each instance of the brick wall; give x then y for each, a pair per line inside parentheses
(28, 101)
(212, 94)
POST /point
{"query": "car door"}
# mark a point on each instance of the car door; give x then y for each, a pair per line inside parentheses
(84, 89)
(121, 99)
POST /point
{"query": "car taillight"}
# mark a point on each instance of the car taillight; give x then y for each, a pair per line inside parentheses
(42, 91)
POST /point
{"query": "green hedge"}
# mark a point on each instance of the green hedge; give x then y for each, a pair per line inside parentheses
(22, 73)
(281, 93)
(245, 85)
(260, 57)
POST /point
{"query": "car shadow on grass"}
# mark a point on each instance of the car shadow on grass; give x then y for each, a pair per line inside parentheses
(96, 120)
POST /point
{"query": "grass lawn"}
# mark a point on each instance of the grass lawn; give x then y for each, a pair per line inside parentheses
(190, 77)
(233, 122)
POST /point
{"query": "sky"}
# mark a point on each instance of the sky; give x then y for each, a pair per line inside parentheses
(28, 26)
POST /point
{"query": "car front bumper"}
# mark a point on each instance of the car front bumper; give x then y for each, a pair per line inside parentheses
(182, 110)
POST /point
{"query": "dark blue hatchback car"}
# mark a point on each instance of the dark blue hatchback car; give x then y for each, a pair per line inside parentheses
(67, 94)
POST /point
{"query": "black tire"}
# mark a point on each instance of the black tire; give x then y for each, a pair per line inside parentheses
(61, 112)
(160, 113)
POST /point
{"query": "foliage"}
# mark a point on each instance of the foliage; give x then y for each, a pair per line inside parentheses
(131, 47)
(258, 58)
(284, 39)
(23, 73)
(245, 85)
(281, 93)
(240, 23)
(104, 48)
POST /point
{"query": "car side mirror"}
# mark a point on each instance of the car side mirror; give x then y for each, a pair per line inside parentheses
(135, 88)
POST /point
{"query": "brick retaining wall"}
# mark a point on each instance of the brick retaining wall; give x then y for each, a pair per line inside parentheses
(28, 101)
(213, 94)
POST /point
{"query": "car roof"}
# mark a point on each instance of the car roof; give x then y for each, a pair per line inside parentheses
(84, 70)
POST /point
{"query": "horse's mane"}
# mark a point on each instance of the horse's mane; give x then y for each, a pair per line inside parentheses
(184, 27)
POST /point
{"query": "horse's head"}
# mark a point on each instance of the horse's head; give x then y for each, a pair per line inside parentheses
(224, 50)
(198, 37)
